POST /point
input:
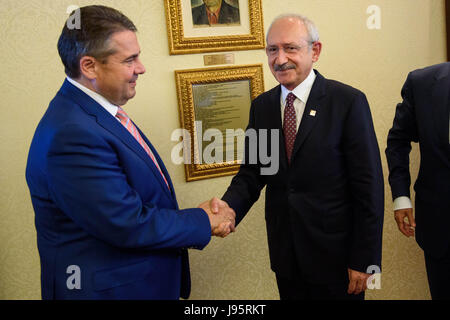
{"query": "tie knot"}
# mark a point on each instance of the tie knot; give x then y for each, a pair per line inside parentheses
(290, 99)
(121, 114)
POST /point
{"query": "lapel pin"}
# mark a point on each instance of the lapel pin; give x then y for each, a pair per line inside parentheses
(312, 113)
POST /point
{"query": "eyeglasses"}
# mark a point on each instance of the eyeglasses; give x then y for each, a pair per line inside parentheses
(272, 51)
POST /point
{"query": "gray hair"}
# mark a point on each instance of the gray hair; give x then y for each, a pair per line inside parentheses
(313, 33)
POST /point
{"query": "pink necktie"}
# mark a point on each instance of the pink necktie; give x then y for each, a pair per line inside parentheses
(289, 125)
(127, 123)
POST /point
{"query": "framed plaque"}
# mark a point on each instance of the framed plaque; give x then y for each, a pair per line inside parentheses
(214, 105)
(237, 25)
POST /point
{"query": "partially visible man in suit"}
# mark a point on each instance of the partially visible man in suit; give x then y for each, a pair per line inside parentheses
(213, 12)
(324, 206)
(423, 117)
(107, 219)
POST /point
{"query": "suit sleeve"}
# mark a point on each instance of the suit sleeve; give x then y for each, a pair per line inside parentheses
(366, 183)
(246, 186)
(88, 184)
(403, 131)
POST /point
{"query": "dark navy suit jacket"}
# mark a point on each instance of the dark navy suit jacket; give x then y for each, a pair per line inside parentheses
(324, 211)
(423, 117)
(101, 205)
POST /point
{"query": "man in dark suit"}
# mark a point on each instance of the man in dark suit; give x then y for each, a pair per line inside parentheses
(213, 12)
(324, 206)
(423, 117)
(107, 219)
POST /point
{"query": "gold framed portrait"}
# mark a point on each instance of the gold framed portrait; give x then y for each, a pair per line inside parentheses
(214, 105)
(196, 26)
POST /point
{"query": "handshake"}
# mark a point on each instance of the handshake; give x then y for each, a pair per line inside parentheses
(221, 217)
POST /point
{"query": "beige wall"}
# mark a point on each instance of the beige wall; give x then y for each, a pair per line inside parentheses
(375, 61)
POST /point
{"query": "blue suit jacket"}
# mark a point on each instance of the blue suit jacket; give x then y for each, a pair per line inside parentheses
(101, 205)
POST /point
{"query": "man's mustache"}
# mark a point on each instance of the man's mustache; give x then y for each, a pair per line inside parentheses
(284, 66)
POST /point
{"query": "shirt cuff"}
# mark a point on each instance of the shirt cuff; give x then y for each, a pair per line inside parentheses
(402, 203)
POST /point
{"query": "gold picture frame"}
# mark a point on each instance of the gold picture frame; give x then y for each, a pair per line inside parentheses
(218, 83)
(185, 38)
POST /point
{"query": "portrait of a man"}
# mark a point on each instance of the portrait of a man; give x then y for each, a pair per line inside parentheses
(215, 12)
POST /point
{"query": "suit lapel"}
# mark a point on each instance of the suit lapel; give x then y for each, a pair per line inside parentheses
(312, 112)
(440, 107)
(108, 122)
(161, 165)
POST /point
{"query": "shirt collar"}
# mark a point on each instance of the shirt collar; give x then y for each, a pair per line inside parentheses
(111, 108)
(302, 90)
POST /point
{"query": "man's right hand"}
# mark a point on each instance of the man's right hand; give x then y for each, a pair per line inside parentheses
(221, 217)
(405, 221)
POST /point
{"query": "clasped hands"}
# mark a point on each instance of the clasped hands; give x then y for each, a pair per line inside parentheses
(221, 217)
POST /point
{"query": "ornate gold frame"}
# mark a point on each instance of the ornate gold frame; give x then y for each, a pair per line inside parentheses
(185, 79)
(179, 44)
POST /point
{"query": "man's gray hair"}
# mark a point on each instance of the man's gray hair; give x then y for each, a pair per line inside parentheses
(313, 33)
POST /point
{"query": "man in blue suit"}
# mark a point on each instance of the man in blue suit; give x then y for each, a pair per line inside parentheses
(107, 220)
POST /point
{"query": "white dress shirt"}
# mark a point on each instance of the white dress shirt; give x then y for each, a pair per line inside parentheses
(402, 203)
(111, 108)
(301, 93)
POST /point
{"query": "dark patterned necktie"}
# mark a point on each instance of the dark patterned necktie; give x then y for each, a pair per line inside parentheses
(289, 125)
